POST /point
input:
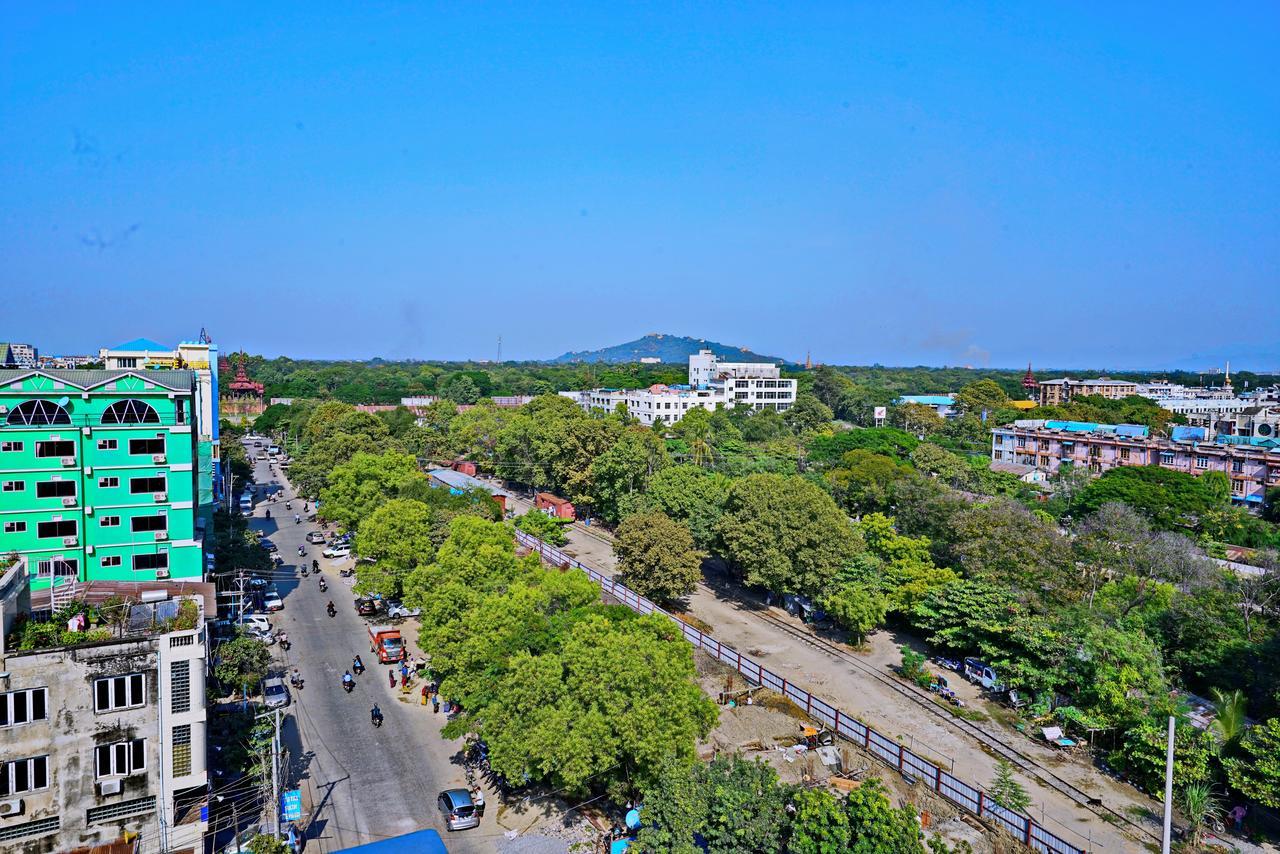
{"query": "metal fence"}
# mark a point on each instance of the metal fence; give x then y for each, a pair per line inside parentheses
(913, 767)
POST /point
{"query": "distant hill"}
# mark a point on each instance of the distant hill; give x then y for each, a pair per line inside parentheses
(664, 348)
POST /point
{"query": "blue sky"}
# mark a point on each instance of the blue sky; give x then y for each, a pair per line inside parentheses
(896, 183)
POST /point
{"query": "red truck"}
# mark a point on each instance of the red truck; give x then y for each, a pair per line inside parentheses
(386, 643)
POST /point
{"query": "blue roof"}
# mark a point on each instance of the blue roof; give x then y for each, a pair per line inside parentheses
(1183, 433)
(460, 481)
(141, 344)
(418, 842)
(929, 399)
(1129, 431)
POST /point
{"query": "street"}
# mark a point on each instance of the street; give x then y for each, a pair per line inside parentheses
(359, 784)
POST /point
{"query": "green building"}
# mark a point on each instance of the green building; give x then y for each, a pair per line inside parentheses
(98, 476)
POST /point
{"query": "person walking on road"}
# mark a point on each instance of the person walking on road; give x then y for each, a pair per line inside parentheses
(391, 674)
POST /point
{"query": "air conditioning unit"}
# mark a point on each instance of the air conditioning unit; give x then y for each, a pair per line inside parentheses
(161, 497)
(85, 431)
(3, 410)
(162, 573)
(109, 787)
(69, 501)
(88, 469)
(68, 461)
(11, 808)
(69, 541)
(157, 458)
(88, 511)
(162, 535)
(88, 549)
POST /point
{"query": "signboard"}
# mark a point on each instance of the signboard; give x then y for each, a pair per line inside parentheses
(882, 412)
(291, 805)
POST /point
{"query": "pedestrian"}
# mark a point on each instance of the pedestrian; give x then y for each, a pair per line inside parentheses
(404, 681)
(477, 798)
(404, 654)
(1237, 816)
(391, 674)
(435, 705)
(424, 695)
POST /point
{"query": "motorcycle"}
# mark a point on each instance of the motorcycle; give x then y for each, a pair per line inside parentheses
(323, 585)
(285, 643)
(302, 550)
(297, 520)
(348, 685)
(295, 680)
(315, 566)
(332, 610)
(268, 514)
(304, 570)
(357, 666)
(375, 716)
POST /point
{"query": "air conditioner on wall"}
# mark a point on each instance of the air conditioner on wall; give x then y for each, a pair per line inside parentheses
(109, 787)
(157, 458)
(68, 541)
(11, 807)
(68, 461)
(162, 535)
(68, 502)
(161, 574)
(85, 431)
(161, 496)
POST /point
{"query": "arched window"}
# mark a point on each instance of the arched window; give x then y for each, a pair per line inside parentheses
(130, 412)
(37, 412)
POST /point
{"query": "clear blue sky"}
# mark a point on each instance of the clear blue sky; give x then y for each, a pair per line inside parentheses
(896, 182)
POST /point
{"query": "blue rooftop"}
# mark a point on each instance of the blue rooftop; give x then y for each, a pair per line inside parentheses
(462, 482)
(1182, 433)
(929, 399)
(141, 344)
(1129, 431)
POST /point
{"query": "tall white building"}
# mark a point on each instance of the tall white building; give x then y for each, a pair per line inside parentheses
(712, 383)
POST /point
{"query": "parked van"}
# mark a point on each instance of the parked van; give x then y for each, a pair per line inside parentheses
(246, 503)
(981, 673)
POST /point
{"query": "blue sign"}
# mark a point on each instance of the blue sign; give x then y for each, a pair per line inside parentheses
(291, 805)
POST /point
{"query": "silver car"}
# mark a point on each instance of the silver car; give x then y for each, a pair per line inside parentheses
(274, 693)
(458, 810)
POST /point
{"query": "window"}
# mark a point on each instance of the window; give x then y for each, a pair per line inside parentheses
(181, 753)
(180, 686)
(999, 455)
(15, 527)
(1202, 462)
(130, 412)
(1237, 466)
(120, 759)
(127, 362)
(119, 692)
(140, 524)
(1022, 441)
(1166, 458)
(109, 521)
(107, 444)
(14, 486)
(37, 413)
(56, 489)
(1124, 453)
(110, 561)
(1238, 486)
(108, 482)
(1044, 461)
(180, 412)
(139, 485)
(159, 560)
(141, 447)
(11, 446)
(1044, 444)
(23, 707)
(57, 568)
(24, 775)
(56, 448)
(57, 528)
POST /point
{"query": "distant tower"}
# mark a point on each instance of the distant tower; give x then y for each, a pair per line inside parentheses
(1029, 379)
(808, 362)
(1227, 382)
(499, 349)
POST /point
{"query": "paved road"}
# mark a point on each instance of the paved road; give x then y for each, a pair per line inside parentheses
(359, 784)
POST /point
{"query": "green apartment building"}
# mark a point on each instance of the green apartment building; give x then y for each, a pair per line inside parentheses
(97, 478)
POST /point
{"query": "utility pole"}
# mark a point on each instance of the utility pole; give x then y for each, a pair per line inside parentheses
(499, 349)
(275, 777)
(1168, 792)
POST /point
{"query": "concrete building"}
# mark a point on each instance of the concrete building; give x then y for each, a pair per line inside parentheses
(103, 742)
(97, 475)
(1207, 412)
(1252, 465)
(1056, 392)
(712, 383)
(13, 355)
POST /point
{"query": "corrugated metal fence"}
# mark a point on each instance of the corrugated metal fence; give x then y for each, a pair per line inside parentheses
(890, 751)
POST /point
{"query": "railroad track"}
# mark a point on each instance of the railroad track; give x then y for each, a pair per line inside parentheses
(1028, 765)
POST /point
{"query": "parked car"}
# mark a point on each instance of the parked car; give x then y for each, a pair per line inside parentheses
(272, 602)
(258, 621)
(336, 552)
(366, 606)
(397, 611)
(256, 632)
(458, 810)
(274, 693)
(315, 538)
(269, 546)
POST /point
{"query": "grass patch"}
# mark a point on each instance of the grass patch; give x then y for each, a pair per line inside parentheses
(969, 714)
(690, 620)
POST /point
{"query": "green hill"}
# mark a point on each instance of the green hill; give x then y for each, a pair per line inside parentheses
(664, 348)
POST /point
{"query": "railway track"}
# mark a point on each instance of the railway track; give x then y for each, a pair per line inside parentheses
(1028, 765)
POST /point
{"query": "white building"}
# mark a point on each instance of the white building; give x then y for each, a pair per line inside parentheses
(712, 383)
(1205, 411)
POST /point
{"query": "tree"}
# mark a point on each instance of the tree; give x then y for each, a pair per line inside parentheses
(1002, 542)
(1006, 790)
(398, 536)
(264, 844)
(1229, 718)
(1143, 751)
(875, 826)
(542, 526)
(947, 467)
(1217, 487)
(1169, 499)
(675, 807)
(1200, 806)
(625, 469)
(865, 481)
(1271, 505)
(692, 496)
(242, 663)
(808, 414)
(857, 609)
(917, 418)
(460, 389)
(1255, 773)
(746, 808)
(980, 396)
(657, 556)
(820, 824)
(784, 533)
(363, 483)
(889, 441)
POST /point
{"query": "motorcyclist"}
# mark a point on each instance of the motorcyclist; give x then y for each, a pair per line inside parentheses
(297, 520)
(295, 678)
(348, 681)
(375, 715)
(284, 641)
(357, 665)
(302, 550)
(323, 586)
(331, 609)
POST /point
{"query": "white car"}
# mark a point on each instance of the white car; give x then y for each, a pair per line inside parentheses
(256, 621)
(272, 601)
(335, 552)
(396, 611)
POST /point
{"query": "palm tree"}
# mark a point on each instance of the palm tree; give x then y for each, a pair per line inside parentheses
(1200, 805)
(1228, 725)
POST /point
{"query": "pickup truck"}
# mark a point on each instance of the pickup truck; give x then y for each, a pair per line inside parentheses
(386, 643)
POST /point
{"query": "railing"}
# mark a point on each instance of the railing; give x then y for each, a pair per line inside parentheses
(911, 766)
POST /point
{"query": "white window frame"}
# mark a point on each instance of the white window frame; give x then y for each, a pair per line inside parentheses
(111, 482)
(108, 444)
(121, 760)
(109, 561)
(8, 774)
(10, 700)
(15, 527)
(11, 447)
(128, 691)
